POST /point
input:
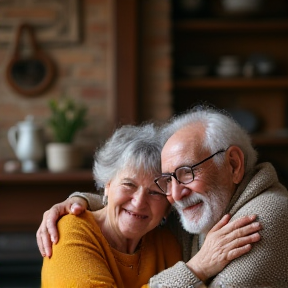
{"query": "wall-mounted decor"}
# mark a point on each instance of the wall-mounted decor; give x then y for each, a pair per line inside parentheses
(54, 21)
(29, 75)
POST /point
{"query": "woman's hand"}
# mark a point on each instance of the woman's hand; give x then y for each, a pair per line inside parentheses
(47, 233)
(223, 243)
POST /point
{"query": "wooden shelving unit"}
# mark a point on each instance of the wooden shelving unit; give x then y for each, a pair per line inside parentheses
(224, 26)
(278, 83)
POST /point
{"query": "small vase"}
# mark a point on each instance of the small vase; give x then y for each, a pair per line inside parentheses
(27, 143)
(62, 157)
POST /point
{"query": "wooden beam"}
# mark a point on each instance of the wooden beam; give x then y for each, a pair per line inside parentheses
(126, 61)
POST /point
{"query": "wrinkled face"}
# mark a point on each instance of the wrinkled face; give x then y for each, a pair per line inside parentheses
(202, 202)
(135, 204)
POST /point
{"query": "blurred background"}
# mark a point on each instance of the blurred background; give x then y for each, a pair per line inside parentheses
(126, 61)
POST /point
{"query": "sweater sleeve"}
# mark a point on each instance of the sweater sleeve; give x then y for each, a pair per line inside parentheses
(94, 200)
(78, 260)
(177, 276)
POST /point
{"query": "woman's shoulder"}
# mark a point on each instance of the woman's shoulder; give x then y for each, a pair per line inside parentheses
(72, 222)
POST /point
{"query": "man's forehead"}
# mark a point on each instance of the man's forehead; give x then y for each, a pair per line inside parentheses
(190, 138)
(183, 149)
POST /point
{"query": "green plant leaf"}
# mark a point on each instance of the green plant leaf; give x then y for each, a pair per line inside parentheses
(67, 118)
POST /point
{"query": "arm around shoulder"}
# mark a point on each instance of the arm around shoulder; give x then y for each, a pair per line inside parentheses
(94, 200)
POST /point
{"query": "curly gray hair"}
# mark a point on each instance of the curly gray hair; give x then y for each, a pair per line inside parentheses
(136, 147)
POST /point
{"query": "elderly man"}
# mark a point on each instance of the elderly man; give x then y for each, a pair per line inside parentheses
(209, 169)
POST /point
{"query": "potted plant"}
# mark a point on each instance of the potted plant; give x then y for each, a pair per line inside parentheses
(67, 118)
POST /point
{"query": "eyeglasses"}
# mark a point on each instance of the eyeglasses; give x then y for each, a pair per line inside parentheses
(183, 175)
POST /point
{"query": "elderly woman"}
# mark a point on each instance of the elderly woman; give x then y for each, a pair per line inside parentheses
(122, 244)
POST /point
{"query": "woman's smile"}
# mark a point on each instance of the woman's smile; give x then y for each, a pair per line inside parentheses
(137, 215)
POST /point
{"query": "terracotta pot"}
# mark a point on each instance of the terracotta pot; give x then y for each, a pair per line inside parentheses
(63, 157)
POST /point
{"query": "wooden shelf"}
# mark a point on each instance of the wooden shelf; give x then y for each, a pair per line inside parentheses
(269, 140)
(215, 25)
(233, 83)
(78, 176)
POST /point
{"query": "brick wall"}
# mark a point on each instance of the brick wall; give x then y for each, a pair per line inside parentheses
(85, 72)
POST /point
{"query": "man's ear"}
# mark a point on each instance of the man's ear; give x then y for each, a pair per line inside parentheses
(236, 161)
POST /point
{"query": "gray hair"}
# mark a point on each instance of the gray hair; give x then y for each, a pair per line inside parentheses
(136, 147)
(221, 131)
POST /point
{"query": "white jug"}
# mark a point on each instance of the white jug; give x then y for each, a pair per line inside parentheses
(26, 141)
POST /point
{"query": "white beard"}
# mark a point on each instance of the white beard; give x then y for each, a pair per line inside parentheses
(205, 217)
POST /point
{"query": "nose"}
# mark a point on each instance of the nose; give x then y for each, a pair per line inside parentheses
(178, 190)
(139, 198)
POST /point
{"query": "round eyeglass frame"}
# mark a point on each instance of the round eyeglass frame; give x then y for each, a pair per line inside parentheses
(173, 174)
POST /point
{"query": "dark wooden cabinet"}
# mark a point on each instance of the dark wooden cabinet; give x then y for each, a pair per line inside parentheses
(25, 197)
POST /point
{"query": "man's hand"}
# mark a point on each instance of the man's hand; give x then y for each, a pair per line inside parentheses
(224, 243)
(47, 233)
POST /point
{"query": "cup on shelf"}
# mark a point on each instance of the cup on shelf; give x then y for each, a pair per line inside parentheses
(228, 66)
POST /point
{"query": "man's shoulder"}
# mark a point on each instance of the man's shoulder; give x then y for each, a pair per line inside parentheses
(270, 202)
(266, 265)
(271, 208)
(267, 261)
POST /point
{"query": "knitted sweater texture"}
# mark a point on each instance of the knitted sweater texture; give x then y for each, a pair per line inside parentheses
(266, 265)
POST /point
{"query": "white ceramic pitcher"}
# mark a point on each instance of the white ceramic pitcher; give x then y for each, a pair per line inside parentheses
(27, 143)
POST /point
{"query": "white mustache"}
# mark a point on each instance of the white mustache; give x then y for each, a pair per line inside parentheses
(189, 201)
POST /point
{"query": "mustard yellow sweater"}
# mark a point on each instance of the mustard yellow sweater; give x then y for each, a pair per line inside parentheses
(83, 258)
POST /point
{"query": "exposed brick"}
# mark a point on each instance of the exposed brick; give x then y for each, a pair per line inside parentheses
(82, 73)
(92, 93)
(73, 56)
(91, 73)
(10, 111)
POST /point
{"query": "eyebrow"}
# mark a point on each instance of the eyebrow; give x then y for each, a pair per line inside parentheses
(182, 165)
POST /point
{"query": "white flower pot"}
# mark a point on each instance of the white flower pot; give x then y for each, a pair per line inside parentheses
(63, 157)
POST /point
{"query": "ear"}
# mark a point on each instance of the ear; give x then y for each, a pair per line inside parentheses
(236, 161)
(170, 199)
